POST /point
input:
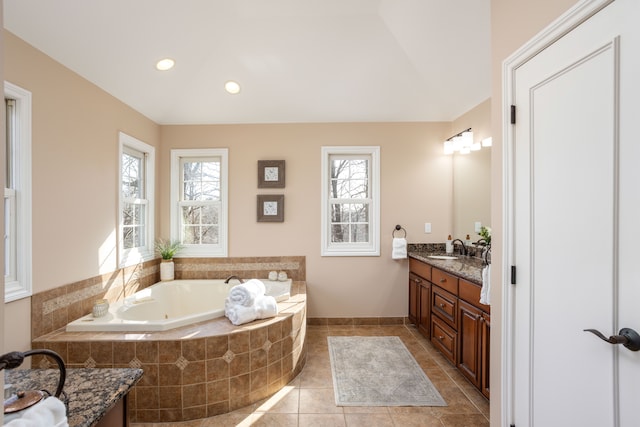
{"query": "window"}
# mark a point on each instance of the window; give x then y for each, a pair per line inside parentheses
(17, 193)
(199, 201)
(350, 201)
(136, 223)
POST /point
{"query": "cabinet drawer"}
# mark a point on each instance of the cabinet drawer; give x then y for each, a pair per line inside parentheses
(470, 292)
(445, 280)
(420, 268)
(444, 338)
(445, 305)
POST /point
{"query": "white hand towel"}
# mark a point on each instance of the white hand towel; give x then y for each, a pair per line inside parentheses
(50, 412)
(399, 248)
(266, 306)
(485, 292)
(239, 314)
(245, 293)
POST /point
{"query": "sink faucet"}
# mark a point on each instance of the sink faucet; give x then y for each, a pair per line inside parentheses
(463, 248)
(233, 277)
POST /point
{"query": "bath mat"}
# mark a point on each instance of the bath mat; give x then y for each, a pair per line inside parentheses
(378, 371)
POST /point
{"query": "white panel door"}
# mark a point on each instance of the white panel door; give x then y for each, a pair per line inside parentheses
(576, 174)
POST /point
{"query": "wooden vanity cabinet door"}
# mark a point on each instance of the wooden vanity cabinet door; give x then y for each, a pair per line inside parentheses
(414, 299)
(469, 341)
(485, 334)
(424, 317)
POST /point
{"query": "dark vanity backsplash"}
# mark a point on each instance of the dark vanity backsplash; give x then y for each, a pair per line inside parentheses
(474, 251)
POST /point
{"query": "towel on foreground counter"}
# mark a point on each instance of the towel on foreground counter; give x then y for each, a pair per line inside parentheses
(50, 412)
(261, 307)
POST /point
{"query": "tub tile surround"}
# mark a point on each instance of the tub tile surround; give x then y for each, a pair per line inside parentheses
(198, 370)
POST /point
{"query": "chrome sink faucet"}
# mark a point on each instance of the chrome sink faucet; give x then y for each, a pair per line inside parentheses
(463, 248)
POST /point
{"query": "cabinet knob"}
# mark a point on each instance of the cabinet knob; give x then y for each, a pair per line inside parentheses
(441, 305)
(440, 337)
(443, 280)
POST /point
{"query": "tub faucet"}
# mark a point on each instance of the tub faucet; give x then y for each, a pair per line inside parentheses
(233, 277)
(463, 248)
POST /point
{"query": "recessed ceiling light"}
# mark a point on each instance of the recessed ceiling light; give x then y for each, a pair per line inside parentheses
(165, 64)
(232, 87)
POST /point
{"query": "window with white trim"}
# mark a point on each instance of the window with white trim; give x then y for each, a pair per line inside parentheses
(136, 222)
(17, 193)
(350, 201)
(199, 201)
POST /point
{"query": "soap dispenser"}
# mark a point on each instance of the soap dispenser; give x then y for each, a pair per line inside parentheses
(449, 245)
(467, 242)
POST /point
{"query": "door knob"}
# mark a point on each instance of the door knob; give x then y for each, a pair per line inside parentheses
(627, 337)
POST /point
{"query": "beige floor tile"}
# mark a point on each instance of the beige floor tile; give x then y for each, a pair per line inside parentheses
(285, 401)
(416, 420)
(318, 401)
(368, 420)
(269, 419)
(321, 420)
(460, 420)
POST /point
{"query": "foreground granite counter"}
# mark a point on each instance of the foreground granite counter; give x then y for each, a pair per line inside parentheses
(91, 393)
(469, 268)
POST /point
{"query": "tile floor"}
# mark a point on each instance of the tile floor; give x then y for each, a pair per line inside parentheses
(308, 400)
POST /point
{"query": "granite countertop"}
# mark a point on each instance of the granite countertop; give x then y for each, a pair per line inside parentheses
(469, 268)
(91, 392)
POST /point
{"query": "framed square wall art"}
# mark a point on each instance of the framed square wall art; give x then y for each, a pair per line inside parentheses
(270, 173)
(270, 207)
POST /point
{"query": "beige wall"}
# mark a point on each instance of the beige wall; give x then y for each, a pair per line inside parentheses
(2, 179)
(415, 188)
(472, 175)
(75, 162)
(513, 22)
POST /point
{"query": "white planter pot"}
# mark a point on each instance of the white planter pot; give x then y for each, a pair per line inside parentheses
(166, 270)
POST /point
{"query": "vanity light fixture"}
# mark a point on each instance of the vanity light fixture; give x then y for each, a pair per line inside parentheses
(487, 142)
(461, 142)
(165, 64)
(232, 87)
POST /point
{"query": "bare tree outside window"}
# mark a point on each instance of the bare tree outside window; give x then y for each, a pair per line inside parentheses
(349, 200)
(133, 194)
(200, 205)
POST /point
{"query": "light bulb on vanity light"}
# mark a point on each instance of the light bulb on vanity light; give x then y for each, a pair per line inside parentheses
(487, 142)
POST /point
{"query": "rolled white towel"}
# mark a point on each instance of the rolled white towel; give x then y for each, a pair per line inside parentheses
(399, 248)
(239, 314)
(50, 412)
(266, 306)
(245, 293)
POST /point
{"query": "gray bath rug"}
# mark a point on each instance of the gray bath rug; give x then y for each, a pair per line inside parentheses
(378, 371)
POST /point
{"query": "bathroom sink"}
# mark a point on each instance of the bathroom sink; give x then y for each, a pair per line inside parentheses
(442, 257)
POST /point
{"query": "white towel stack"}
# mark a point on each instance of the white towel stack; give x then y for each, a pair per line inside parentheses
(247, 302)
(485, 292)
(399, 248)
(50, 412)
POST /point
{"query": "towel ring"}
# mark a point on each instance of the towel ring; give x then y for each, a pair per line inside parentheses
(398, 228)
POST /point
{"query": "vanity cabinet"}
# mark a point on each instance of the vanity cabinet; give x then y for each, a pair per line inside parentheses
(446, 309)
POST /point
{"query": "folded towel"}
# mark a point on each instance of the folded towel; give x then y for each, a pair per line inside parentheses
(49, 412)
(239, 314)
(245, 293)
(267, 307)
(485, 292)
(399, 248)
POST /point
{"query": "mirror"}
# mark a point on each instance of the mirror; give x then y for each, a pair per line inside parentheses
(472, 176)
(471, 192)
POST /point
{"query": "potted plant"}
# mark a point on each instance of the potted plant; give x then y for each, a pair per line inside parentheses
(167, 250)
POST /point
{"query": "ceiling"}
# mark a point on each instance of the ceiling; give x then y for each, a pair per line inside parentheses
(297, 61)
